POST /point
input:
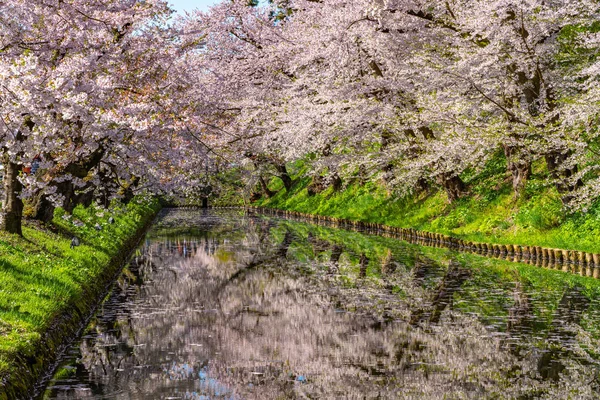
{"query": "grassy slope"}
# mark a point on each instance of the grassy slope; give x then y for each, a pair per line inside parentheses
(488, 214)
(40, 274)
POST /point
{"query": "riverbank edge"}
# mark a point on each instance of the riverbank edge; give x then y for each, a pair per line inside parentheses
(32, 371)
(573, 261)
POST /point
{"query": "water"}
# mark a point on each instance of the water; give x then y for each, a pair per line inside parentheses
(221, 305)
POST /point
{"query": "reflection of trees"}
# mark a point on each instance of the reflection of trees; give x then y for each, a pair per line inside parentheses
(520, 314)
(561, 337)
(423, 269)
(336, 252)
(363, 263)
(455, 276)
(231, 312)
(388, 264)
(520, 319)
(318, 245)
(285, 244)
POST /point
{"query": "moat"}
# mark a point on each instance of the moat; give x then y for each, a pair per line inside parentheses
(219, 304)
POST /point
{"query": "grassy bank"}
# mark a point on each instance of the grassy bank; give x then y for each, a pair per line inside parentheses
(47, 287)
(489, 213)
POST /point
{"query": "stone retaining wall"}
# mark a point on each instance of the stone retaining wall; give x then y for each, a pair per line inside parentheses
(579, 262)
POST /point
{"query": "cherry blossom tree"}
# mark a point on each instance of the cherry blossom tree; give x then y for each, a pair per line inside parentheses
(83, 88)
(108, 97)
(419, 89)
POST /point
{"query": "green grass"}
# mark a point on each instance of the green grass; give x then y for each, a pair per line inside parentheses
(489, 213)
(40, 274)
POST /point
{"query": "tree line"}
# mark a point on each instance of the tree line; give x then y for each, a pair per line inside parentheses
(110, 98)
(411, 93)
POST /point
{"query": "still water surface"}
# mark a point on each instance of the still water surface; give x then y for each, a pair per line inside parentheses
(222, 305)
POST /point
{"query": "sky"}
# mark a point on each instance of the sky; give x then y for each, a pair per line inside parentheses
(188, 5)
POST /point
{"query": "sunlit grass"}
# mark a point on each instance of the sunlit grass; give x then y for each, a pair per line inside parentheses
(40, 273)
(490, 213)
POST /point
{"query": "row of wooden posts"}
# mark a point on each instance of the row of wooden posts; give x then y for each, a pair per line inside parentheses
(580, 262)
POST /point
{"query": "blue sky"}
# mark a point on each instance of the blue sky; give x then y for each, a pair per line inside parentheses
(188, 5)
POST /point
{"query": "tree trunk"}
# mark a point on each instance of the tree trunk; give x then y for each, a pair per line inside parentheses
(454, 186)
(43, 209)
(128, 192)
(12, 205)
(66, 189)
(265, 189)
(103, 190)
(520, 175)
(284, 176)
(561, 175)
(316, 186)
(336, 182)
(423, 269)
(336, 252)
(421, 186)
(519, 168)
(386, 139)
(85, 198)
(520, 315)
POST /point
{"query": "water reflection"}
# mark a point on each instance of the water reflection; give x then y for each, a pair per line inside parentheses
(223, 306)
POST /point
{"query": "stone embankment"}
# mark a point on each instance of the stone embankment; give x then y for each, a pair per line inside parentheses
(579, 262)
